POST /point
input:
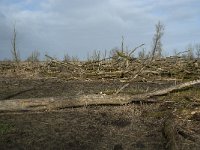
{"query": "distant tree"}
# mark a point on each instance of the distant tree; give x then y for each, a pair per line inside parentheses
(104, 55)
(95, 56)
(66, 58)
(74, 59)
(157, 44)
(114, 53)
(175, 52)
(190, 53)
(34, 57)
(197, 48)
(14, 51)
(122, 44)
(142, 54)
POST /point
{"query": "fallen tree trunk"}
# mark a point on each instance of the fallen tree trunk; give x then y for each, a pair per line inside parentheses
(46, 104)
(166, 91)
(88, 100)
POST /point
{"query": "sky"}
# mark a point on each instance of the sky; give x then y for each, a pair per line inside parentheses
(78, 27)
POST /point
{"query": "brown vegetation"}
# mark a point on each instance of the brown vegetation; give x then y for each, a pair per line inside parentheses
(116, 102)
(176, 93)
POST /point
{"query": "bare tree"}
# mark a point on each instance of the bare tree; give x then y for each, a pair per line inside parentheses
(14, 51)
(34, 57)
(197, 47)
(175, 53)
(74, 59)
(122, 45)
(95, 57)
(67, 58)
(113, 53)
(142, 54)
(190, 54)
(157, 44)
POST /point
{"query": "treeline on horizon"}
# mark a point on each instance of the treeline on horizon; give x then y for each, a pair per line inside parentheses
(191, 52)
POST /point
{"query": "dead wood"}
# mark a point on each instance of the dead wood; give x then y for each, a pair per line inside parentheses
(88, 100)
(126, 85)
(42, 104)
(62, 63)
(135, 76)
(166, 91)
(165, 68)
(187, 134)
(97, 61)
(135, 49)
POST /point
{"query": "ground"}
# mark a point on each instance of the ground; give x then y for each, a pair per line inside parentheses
(133, 126)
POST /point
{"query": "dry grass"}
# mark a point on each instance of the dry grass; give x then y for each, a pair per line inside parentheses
(85, 128)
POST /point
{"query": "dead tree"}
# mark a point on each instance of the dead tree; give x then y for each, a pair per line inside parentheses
(197, 47)
(34, 57)
(190, 54)
(15, 53)
(157, 44)
(122, 45)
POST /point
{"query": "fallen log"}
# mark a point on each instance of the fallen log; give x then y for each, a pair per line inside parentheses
(47, 104)
(165, 91)
(187, 135)
(40, 104)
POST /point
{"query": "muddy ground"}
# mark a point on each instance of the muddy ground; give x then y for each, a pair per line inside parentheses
(129, 127)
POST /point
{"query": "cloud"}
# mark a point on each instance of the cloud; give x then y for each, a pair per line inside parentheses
(78, 27)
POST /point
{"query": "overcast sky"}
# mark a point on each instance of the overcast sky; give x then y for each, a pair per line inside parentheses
(78, 27)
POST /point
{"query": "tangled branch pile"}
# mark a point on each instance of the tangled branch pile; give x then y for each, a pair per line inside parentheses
(169, 68)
